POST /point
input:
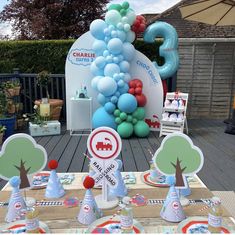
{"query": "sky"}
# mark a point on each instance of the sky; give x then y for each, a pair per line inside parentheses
(139, 6)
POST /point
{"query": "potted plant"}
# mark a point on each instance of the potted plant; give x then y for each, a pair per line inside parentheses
(6, 119)
(2, 130)
(9, 88)
(43, 80)
(17, 87)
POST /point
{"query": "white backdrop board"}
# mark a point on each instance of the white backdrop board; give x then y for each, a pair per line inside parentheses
(77, 74)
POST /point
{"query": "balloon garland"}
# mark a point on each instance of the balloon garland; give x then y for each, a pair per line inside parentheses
(120, 96)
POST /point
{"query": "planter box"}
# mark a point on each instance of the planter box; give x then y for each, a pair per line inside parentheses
(51, 128)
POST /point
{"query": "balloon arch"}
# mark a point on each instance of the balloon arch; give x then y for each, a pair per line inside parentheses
(124, 84)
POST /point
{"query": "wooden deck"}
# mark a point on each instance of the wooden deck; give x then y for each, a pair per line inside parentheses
(218, 172)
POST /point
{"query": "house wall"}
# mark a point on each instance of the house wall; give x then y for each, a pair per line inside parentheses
(207, 73)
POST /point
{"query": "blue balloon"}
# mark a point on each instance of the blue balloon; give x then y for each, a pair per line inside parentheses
(127, 103)
(111, 27)
(106, 52)
(111, 69)
(114, 34)
(101, 99)
(95, 81)
(120, 58)
(128, 51)
(106, 32)
(110, 107)
(121, 83)
(95, 70)
(124, 89)
(121, 35)
(114, 99)
(127, 77)
(120, 26)
(107, 86)
(168, 49)
(109, 59)
(112, 17)
(130, 36)
(115, 46)
(130, 16)
(122, 75)
(126, 27)
(102, 118)
(117, 93)
(115, 60)
(116, 77)
(100, 62)
(124, 66)
(97, 28)
(99, 46)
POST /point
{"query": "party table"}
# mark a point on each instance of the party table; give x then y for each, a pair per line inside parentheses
(61, 219)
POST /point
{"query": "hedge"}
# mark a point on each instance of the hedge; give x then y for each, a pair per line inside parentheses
(35, 56)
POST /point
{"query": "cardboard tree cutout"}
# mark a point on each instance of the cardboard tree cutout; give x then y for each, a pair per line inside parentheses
(21, 156)
(178, 156)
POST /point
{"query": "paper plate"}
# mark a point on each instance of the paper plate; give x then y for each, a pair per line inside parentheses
(40, 180)
(108, 225)
(145, 177)
(197, 224)
(19, 227)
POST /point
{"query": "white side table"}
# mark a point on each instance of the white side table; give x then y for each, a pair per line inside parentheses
(81, 116)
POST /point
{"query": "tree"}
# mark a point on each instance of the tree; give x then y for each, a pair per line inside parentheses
(178, 156)
(54, 19)
(21, 156)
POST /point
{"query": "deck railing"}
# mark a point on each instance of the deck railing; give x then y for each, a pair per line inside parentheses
(30, 91)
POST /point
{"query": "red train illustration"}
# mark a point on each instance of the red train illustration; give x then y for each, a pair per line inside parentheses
(153, 123)
(104, 146)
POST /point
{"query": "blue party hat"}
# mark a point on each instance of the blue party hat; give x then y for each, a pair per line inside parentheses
(172, 210)
(120, 190)
(16, 207)
(89, 211)
(54, 187)
(185, 191)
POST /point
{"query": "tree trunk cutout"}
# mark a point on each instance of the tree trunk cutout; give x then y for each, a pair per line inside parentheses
(179, 173)
(23, 175)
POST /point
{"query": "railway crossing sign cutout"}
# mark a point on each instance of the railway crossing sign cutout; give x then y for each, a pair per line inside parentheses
(104, 145)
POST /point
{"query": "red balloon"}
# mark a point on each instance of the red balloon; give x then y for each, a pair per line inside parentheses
(88, 182)
(142, 27)
(141, 100)
(53, 164)
(138, 91)
(139, 84)
(132, 91)
(136, 80)
(132, 84)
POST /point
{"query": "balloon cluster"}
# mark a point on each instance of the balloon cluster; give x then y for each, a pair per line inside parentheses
(139, 25)
(114, 52)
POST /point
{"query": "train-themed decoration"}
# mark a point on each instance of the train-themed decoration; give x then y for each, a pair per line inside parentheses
(125, 85)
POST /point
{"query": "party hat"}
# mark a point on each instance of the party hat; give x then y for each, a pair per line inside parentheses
(172, 210)
(16, 207)
(120, 190)
(89, 211)
(185, 191)
(54, 187)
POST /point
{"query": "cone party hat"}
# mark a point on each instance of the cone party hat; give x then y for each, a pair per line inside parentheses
(16, 207)
(120, 190)
(54, 187)
(89, 211)
(172, 210)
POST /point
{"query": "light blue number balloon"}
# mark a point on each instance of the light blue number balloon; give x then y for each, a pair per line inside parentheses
(168, 49)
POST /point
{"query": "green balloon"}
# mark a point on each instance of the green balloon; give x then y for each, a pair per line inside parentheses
(118, 120)
(117, 113)
(116, 7)
(125, 5)
(123, 116)
(129, 118)
(141, 129)
(125, 129)
(123, 12)
(139, 113)
(134, 121)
